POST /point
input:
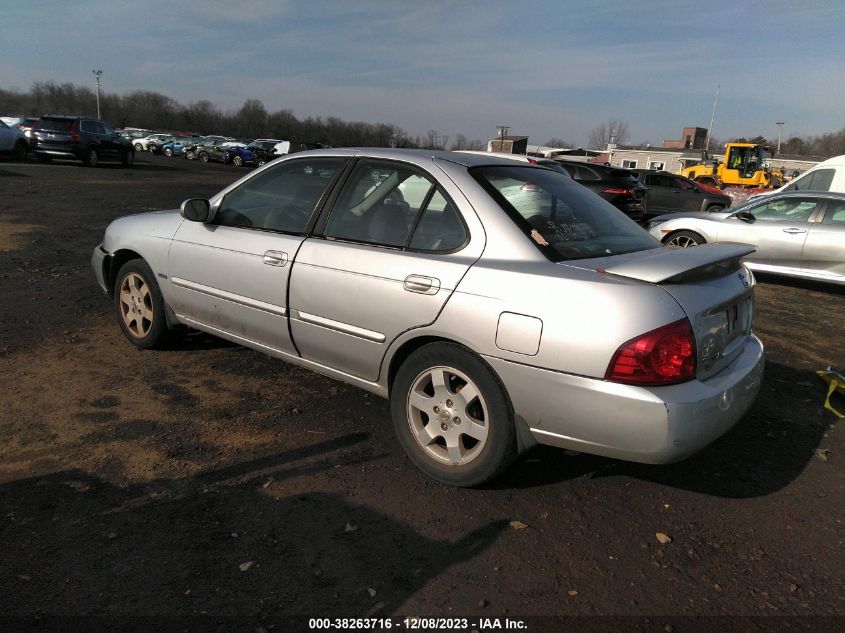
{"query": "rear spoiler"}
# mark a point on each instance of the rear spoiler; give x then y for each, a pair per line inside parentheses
(676, 265)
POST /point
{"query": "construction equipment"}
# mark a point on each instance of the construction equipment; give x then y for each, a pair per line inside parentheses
(743, 165)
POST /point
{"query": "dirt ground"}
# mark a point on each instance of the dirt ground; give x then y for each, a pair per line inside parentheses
(209, 479)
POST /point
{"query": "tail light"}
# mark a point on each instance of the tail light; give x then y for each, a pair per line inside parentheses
(74, 133)
(660, 357)
(619, 192)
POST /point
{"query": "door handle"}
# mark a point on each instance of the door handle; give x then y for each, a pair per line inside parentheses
(794, 231)
(421, 284)
(275, 258)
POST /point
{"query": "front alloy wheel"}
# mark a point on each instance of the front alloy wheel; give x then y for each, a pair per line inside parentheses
(92, 157)
(138, 304)
(237, 160)
(684, 239)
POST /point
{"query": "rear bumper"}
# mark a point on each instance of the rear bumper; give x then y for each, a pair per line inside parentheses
(654, 425)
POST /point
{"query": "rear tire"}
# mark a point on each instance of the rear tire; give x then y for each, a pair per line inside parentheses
(715, 208)
(452, 415)
(203, 157)
(139, 306)
(684, 239)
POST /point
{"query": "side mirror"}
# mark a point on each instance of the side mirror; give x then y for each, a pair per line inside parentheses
(196, 209)
(745, 216)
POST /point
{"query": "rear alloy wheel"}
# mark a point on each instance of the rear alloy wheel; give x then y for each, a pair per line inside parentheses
(237, 160)
(139, 305)
(168, 152)
(91, 158)
(203, 157)
(190, 155)
(452, 416)
(20, 150)
(684, 239)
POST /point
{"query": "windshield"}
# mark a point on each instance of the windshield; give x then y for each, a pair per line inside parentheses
(565, 220)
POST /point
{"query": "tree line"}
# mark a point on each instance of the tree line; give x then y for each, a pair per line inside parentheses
(152, 110)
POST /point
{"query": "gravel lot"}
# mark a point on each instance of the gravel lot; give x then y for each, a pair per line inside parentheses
(207, 478)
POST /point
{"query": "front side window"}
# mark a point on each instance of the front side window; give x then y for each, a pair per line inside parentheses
(565, 221)
(786, 209)
(281, 198)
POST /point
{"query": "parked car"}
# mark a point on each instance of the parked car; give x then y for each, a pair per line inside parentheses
(25, 125)
(133, 133)
(13, 142)
(668, 193)
(828, 175)
(82, 138)
(709, 183)
(143, 144)
(177, 146)
(797, 233)
(156, 146)
(579, 331)
(258, 152)
(616, 185)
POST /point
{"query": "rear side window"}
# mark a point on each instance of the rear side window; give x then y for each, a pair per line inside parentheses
(281, 198)
(564, 220)
(388, 203)
(818, 180)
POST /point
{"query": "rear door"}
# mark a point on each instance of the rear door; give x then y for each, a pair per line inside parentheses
(824, 249)
(231, 276)
(659, 194)
(393, 249)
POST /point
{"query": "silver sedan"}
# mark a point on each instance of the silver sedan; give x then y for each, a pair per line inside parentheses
(496, 304)
(797, 233)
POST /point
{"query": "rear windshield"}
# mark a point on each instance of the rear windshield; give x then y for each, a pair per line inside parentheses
(565, 220)
(58, 125)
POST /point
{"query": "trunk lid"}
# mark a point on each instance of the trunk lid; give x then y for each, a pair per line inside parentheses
(711, 285)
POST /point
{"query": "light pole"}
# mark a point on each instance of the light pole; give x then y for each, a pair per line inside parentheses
(503, 130)
(97, 74)
(780, 125)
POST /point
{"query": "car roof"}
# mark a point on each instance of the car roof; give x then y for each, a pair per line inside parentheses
(833, 195)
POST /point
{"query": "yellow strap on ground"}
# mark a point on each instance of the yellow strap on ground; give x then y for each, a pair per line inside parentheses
(835, 385)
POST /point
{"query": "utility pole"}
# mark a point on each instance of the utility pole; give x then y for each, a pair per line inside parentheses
(780, 125)
(712, 118)
(97, 74)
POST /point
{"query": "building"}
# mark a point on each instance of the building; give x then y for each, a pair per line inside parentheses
(509, 144)
(691, 138)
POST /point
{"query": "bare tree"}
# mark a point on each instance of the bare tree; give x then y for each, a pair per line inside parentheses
(611, 131)
(556, 141)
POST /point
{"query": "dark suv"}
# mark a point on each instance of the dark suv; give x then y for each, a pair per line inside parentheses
(668, 193)
(616, 185)
(83, 138)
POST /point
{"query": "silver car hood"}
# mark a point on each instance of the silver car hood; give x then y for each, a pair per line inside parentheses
(657, 265)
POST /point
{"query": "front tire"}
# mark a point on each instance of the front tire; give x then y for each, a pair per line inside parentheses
(237, 160)
(203, 157)
(684, 239)
(128, 158)
(452, 415)
(168, 152)
(139, 147)
(139, 306)
(715, 208)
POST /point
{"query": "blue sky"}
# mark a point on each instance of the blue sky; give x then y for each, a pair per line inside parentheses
(545, 68)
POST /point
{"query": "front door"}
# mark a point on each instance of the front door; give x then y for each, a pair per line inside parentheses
(779, 230)
(230, 276)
